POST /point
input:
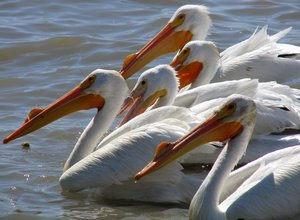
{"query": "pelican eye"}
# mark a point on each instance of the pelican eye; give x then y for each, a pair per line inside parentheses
(143, 82)
(227, 110)
(181, 16)
(179, 20)
(231, 106)
(184, 54)
(91, 78)
(87, 82)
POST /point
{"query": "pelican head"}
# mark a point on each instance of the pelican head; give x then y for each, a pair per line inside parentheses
(157, 85)
(196, 63)
(235, 114)
(93, 92)
(189, 22)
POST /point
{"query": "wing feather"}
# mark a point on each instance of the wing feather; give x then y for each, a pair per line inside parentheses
(271, 192)
(113, 166)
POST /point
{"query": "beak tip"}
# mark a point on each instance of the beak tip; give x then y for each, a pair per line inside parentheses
(137, 176)
(5, 140)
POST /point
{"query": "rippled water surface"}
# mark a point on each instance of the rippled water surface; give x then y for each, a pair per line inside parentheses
(47, 47)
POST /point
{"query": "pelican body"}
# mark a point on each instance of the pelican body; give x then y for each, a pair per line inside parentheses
(108, 164)
(271, 190)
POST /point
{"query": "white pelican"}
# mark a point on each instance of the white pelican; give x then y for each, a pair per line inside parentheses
(271, 191)
(199, 63)
(189, 22)
(205, 54)
(111, 165)
(192, 22)
(277, 105)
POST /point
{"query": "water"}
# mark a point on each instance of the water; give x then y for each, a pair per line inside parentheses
(47, 47)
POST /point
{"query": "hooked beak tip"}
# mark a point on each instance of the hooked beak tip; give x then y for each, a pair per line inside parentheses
(5, 140)
(137, 176)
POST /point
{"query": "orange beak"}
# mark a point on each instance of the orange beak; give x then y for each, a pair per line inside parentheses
(127, 102)
(213, 129)
(137, 108)
(166, 41)
(73, 101)
(187, 74)
(139, 105)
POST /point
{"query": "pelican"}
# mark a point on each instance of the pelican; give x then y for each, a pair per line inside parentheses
(205, 54)
(189, 22)
(270, 192)
(277, 105)
(199, 63)
(109, 165)
(192, 22)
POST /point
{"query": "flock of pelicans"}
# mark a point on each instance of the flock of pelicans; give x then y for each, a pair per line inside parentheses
(233, 106)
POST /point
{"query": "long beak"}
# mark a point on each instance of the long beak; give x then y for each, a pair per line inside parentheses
(166, 41)
(212, 129)
(136, 107)
(73, 101)
(127, 102)
(187, 74)
(140, 105)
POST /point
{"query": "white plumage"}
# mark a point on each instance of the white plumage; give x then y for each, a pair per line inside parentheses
(261, 57)
(112, 166)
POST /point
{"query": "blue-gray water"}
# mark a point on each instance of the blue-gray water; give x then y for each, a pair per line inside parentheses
(47, 47)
